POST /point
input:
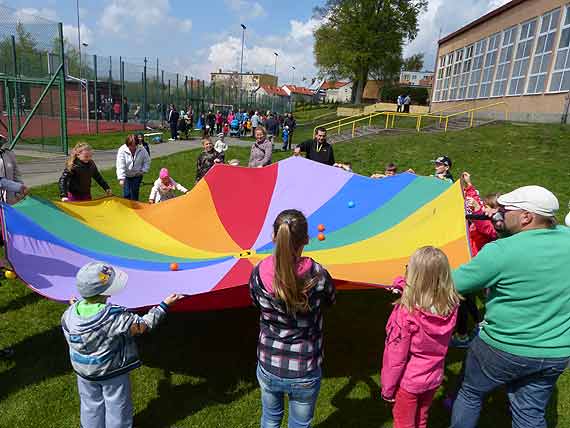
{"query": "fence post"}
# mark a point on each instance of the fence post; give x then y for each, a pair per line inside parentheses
(62, 106)
(122, 76)
(8, 98)
(95, 95)
(16, 84)
(186, 94)
(177, 99)
(192, 98)
(145, 96)
(110, 95)
(203, 93)
(162, 109)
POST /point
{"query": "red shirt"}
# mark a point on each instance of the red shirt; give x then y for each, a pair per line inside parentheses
(481, 232)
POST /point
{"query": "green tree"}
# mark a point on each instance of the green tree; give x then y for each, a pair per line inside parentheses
(414, 63)
(360, 38)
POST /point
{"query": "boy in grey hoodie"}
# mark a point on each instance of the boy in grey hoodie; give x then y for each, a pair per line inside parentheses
(101, 343)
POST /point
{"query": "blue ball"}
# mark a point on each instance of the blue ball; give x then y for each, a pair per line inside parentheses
(351, 204)
(157, 139)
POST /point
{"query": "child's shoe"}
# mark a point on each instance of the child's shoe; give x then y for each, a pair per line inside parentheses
(460, 341)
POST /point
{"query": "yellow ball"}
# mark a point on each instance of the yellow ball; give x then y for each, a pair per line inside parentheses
(10, 274)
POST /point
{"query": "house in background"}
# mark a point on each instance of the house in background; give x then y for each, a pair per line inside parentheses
(270, 91)
(248, 81)
(299, 93)
(416, 78)
(337, 92)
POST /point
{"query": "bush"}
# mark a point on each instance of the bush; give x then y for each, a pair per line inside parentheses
(389, 94)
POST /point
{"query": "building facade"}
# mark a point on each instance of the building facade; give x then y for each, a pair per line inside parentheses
(299, 93)
(517, 54)
(416, 78)
(337, 92)
(248, 81)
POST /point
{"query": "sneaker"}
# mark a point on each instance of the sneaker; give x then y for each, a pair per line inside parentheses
(459, 341)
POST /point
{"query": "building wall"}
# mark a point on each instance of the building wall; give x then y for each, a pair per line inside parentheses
(250, 81)
(482, 73)
(340, 95)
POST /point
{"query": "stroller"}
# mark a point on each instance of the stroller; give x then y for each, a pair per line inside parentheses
(234, 128)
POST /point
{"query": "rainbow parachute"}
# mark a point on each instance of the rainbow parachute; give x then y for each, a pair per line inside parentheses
(218, 231)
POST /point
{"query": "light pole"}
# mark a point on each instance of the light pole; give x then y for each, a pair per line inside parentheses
(276, 81)
(293, 79)
(241, 64)
(79, 47)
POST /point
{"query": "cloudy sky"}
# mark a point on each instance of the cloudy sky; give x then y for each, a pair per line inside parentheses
(196, 37)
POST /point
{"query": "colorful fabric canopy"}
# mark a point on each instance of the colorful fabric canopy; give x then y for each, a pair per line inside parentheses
(222, 228)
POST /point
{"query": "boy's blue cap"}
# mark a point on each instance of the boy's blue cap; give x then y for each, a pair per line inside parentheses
(96, 279)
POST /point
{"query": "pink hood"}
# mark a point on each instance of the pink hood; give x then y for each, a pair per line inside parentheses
(414, 354)
(267, 270)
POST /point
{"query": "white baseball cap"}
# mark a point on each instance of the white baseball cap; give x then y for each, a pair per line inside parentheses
(534, 199)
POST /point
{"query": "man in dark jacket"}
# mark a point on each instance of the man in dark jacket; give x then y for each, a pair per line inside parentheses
(173, 117)
(318, 149)
(272, 126)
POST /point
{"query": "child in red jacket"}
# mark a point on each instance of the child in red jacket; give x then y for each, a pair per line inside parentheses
(417, 337)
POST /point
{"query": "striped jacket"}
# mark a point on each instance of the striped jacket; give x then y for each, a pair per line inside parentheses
(290, 346)
(101, 347)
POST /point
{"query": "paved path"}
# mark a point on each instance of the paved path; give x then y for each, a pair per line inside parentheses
(49, 166)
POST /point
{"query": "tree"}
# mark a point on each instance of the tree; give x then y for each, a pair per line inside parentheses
(363, 37)
(413, 63)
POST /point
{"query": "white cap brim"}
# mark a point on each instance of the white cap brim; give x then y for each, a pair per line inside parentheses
(118, 283)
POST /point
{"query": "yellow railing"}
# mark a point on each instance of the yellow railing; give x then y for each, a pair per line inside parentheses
(452, 107)
(391, 116)
(471, 113)
(337, 122)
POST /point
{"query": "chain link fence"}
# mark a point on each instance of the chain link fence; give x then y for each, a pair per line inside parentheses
(43, 100)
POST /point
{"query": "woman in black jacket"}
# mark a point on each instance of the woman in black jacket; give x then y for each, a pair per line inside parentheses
(75, 182)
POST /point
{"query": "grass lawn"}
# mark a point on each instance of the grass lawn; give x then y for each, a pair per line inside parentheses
(199, 368)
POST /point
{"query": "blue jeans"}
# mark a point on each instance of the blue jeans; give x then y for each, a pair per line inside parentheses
(302, 393)
(529, 383)
(131, 188)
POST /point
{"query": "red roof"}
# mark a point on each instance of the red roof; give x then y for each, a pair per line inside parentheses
(299, 90)
(274, 90)
(483, 19)
(331, 84)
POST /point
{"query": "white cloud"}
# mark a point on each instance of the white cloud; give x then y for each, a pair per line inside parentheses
(442, 18)
(301, 30)
(141, 18)
(28, 15)
(246, 9)
(70, 34)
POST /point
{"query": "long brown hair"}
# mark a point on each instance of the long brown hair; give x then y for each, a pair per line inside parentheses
(290, 233)
(75, 152)
(429, 285)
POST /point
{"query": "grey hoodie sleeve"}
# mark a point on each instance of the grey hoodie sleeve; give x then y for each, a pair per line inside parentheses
(9, 185)
(123, 323)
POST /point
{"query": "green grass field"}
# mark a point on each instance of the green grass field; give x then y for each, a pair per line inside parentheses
(199, 368)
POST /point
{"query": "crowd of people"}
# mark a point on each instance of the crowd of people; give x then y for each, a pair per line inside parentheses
(519, 268)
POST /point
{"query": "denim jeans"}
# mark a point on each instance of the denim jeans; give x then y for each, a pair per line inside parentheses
(302, 393)
(529, 382)
(131, 188)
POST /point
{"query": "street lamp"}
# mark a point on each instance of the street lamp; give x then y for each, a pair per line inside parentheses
(79, 47)
(276, 81)
(241, 63)
(293, 79)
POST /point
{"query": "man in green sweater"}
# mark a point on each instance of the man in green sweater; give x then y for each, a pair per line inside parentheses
(524, 342)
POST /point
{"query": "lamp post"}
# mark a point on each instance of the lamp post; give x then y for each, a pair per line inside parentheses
(276, 81)
(293, 79)
(241, 64)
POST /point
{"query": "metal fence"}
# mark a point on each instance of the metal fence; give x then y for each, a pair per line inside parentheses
(49, 90)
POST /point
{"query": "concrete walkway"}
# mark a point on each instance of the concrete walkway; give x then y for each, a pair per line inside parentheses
(49, 166)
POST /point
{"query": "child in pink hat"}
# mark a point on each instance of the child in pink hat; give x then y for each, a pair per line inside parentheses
(164, 188)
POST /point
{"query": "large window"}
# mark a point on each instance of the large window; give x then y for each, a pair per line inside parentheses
(475, 76)
(561, 75)
(543, 53)
(465, 72)
(490, 65)
(447, 77)
(439, 81)
(456, 75)
(522, 58)
(504, 65)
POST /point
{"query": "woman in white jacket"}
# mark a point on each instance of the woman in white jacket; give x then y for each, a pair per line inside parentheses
(164, 188)
(133, 162)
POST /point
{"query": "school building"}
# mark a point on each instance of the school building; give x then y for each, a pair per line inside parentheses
(517, 53)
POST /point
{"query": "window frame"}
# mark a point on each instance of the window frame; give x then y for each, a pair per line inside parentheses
(507, 63)
(552, 30)
(490, 53)
(564, 24)
(525, 42)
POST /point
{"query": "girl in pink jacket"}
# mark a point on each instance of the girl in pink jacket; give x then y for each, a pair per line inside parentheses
(417, 337)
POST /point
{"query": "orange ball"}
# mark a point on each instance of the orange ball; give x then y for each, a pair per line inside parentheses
(321, 236)
(321, 227)
(173, 266)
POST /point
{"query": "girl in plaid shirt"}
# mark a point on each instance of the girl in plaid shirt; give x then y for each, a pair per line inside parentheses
(290, 291)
